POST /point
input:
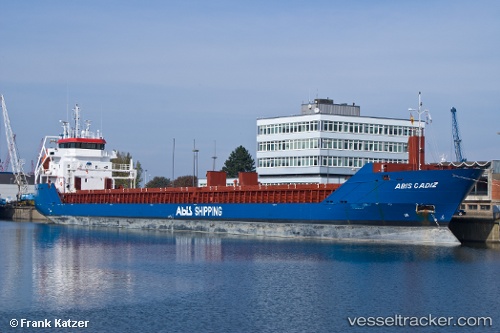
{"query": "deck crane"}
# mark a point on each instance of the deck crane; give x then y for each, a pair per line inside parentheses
(16, 162)
(456, 137)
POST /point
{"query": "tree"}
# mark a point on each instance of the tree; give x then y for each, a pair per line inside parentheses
(125, 158)
(239, 160)
(185, 181)
(138, 167)
(158, 182)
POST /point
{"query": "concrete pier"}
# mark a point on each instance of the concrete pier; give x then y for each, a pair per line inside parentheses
(28, 213)
(480, 211)
(476, 229)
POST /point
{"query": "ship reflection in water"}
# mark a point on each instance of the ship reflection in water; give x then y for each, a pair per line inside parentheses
(117, 279)
(80, 267)
(196, 249)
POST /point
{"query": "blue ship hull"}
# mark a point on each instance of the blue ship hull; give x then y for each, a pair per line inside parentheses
(405, 198)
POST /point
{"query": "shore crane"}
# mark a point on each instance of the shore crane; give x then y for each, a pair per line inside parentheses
(456, 137)
(15, 161)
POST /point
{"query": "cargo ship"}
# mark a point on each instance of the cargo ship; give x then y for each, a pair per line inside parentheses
(389, 202)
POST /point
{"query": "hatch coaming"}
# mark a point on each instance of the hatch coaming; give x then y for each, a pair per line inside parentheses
(249, 194)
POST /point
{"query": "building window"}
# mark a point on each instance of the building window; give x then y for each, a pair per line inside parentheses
(473, 207)
(485, 207)
(336, 144)
(334, 126)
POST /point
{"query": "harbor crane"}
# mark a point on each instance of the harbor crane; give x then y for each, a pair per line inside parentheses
(15, 161)
(460, 157)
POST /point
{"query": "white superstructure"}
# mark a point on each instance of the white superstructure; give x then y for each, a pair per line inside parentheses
(76, 160)
(327, 143)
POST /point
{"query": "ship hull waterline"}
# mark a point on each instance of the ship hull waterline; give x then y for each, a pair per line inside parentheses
(431, 235)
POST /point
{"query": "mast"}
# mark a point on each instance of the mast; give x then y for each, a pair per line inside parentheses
(76, 111)
(420, 155)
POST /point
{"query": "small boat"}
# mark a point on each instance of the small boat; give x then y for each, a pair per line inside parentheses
(6, 210)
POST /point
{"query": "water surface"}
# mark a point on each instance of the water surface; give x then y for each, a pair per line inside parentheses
(149, 281)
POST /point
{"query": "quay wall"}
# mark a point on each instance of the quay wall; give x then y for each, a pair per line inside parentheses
(476, 229)
(27, 213)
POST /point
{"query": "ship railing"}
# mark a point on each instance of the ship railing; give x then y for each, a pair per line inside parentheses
(122, 167)
(111, 154)
(131, 176)
(48, 140)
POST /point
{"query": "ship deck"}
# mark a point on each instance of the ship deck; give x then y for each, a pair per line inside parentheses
(293, 193)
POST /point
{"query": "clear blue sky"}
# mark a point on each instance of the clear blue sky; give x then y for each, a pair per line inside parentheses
(147, 72)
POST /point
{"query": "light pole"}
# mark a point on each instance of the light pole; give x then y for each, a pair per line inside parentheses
(195, 162)
(145, 177)
(173, 160)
